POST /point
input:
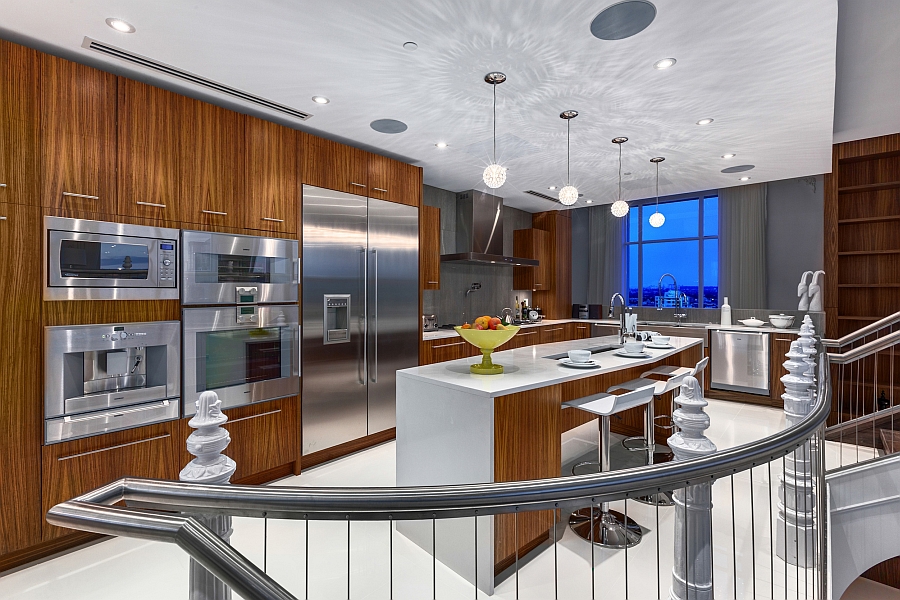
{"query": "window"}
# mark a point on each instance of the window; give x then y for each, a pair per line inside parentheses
(686, 247)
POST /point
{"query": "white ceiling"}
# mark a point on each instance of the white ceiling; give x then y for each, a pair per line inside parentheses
(763, 69)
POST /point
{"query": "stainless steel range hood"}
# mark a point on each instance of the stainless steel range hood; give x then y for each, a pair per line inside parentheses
(479, 232)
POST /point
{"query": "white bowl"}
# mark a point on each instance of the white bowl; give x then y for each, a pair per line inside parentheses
(632, 347)
(662, 340)
(579, 356)
(754, 322)
(781, 321)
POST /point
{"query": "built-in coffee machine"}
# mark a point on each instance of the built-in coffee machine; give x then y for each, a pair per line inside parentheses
(102, 378)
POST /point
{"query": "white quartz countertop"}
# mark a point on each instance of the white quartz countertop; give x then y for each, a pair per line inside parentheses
(526, 368)
(762, 328)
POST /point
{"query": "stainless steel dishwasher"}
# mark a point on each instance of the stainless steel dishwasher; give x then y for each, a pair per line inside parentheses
(740, 361)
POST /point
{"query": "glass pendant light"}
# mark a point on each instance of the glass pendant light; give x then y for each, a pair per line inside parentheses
(494, 175)
(619, 208)
(657, 219)
(569, 194)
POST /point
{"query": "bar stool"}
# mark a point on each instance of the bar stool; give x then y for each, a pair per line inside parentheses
(608, 528)
(667, 373)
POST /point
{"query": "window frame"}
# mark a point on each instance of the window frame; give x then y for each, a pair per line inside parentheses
(701, 237)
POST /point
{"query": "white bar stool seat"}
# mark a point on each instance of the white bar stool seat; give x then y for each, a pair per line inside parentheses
(608, 528)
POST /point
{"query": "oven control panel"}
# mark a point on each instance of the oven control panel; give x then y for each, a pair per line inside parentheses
(166, 263)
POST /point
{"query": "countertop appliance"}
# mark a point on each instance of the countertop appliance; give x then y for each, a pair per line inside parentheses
(245, 353)
(360, 313)
(429, 323)
(222, 268)
(102, 378)
(97, 260)
(740, 361)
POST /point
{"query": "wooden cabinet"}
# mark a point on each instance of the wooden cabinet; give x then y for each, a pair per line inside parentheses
(526, 337)
(444, 349)
(19, 124)
(21, 376)
(335, 166)
(780, 345)
(601, 330)
(151, 123)
(532, 243)
(578, 331)
(395, 181)
(78, 466)
(271, 182)
(211, 145)
(78, 136)
(552, 333)
(264, 438)
(430, 247)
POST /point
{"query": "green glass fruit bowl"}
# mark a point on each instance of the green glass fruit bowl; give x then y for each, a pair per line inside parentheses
(486, 340)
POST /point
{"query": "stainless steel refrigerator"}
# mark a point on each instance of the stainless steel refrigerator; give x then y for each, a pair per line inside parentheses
(360, 313)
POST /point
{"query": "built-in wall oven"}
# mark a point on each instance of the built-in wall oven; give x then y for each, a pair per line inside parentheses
(220, 268)
(245, 353)
(96, 260)
(102, 378)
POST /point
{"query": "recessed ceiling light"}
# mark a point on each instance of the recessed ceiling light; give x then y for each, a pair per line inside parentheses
(729, 155)
(664, 63)
(320, 100)
(120, 25)
(410, 46)
(706, 121)
(441, 144)
(745, 178)
(552, 187)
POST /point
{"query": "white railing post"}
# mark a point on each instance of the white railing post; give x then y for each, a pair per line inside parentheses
(795, 532)
(693, 504)
(212, 467)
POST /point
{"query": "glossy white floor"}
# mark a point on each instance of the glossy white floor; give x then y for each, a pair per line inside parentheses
(137, 570)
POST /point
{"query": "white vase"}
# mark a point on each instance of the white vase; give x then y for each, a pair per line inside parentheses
(726, 312)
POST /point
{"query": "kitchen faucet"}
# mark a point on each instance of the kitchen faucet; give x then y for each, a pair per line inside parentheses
(473, 288)
(659, 294)
(621, 315)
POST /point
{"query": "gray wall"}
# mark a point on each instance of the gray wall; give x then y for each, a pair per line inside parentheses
(795, 236)
(581, 244)
(450, 303)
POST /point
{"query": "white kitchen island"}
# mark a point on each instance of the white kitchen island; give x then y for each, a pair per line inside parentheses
(454, 427)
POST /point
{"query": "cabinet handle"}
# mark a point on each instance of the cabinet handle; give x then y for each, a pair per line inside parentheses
(2, 218)
(271, 412)
(158, 437)
(273, 220)
(448, 345)
(434, 282)
(87, 196)
(527, 333)
(150, 204)
(380, 190)
(357, 184)
(783, 340)
(557, 329)
(2, 185)
(213, 212)
(581, 328)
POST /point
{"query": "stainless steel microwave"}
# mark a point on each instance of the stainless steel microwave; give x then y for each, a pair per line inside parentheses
(245, 354)
(221, 268)
(96, 260)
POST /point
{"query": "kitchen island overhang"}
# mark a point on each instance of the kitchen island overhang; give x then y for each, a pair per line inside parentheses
(454, 427)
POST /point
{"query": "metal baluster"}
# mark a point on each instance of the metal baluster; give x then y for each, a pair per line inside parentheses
(771, 538)
(626, 545)
(893, 449)
(391, 554)
(684, 531)
(712, 564)
(841, 416)
(796, 529)
(556, 560)
(434, 557)
(784, 503)
(306, 577)
(874, 405)
(265, 541)
(856, 403)
(516, 518)
(806, 492)
(752, 534)
(476, 555)
(733, 536)
(658, 582)
(348, 557)
(593, 585)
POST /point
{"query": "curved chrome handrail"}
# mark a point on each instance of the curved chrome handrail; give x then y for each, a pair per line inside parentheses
(867, 349)
(863, 331)
(455, 500)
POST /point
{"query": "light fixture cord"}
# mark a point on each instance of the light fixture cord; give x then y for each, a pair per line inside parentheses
(568, 158)
(657, 186)
(620, 171)
(495, 123)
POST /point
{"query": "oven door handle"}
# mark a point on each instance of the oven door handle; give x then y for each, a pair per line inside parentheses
(375, 311)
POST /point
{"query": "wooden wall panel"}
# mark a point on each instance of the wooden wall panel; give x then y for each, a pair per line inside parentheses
(19, 124)
(557, 303)
(430, 247)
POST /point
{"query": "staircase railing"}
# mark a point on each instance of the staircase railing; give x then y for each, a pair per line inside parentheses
(781, 560)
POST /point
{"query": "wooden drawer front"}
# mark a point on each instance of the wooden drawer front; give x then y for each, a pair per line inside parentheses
(526, 337)
(578, 331)
(552, 333)
(446, 349)
(263, 436)
(73, 468)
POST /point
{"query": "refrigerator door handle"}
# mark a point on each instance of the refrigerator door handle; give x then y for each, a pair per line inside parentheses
(375, 311)
(362, 356)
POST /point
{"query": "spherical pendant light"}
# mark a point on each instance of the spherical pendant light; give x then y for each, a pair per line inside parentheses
(569, 194)
(619, 208)
(494, 175)
(657, 219)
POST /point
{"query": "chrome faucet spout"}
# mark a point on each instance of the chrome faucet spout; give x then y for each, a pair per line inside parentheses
(612, 304)
(659, 294)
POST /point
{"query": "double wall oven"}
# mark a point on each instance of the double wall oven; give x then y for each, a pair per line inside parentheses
(240, 316)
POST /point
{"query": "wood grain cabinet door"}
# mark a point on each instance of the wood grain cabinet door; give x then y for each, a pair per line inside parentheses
(211, 147)
(445, 349)
(578, 331)
(394, 181)
(553, 333)
(430, 247)
(19, 124)
(21, 377)
(271, 188)
(78, 136)
(532, 243)
(780, 345)
(526, 337)
(151, 120)
(334, 166)
(263, 437)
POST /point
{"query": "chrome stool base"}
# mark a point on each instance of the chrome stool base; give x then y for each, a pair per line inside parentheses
(657, 499)
(607, 530)
(639, 443)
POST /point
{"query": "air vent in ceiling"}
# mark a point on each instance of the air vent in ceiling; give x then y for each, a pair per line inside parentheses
(540, 195)
(159, 67)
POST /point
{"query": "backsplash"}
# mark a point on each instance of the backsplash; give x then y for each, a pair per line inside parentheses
(450, 303)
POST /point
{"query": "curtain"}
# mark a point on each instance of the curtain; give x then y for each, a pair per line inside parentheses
(742, 246)
(607, 255)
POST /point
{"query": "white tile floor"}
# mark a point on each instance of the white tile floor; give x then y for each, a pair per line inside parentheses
(123, 568)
